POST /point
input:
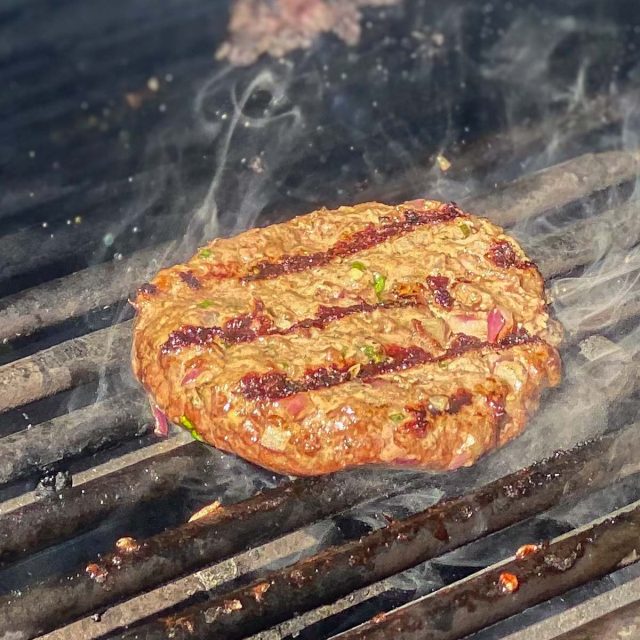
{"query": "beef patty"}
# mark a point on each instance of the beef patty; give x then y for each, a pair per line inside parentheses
(413, 334)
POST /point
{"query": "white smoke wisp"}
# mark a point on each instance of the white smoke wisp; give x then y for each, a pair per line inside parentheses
(253, 146)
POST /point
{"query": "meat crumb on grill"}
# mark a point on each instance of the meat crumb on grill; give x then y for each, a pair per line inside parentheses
(207, 510)
(277, 27)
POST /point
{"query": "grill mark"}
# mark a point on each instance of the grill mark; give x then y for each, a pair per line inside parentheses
(275, 385)
(250, 326)
(503, 255)
(424, 414)
(190, 280)
(366, 238)
(439, 286)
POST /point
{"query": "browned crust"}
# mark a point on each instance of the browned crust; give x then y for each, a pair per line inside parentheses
(287, 303)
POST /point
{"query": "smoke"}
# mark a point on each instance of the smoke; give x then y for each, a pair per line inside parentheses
(255, 127)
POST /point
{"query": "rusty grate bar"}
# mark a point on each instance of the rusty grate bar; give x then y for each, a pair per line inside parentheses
(473, 604)
(402, 544)
(37, 525)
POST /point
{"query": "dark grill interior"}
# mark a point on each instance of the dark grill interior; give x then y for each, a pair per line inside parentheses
(102, 190)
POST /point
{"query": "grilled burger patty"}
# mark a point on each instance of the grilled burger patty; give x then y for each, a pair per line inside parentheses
(410, 334)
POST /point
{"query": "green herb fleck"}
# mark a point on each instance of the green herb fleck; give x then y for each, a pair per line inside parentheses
(360, 266)
(190, 427)
(465, 228)
(205, 304)
(186, 423)
(205, 253)
(379, 283)
(397, 417)
(373, 354)
(443, 364)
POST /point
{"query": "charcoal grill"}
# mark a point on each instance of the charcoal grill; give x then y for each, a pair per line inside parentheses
(369, 553)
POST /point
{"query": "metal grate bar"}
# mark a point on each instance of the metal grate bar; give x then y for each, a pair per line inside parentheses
(37, 525)
(64, 366)
(403, 543)
(55, 302)
(79, 433)
(621, 624)
(473, 604)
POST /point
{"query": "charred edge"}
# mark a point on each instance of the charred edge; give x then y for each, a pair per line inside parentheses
(423, 415)
(276, 385)
(148, 289)
(249, 326)
(190, 280)
(503, 255)
(439, 286)
(360, 240)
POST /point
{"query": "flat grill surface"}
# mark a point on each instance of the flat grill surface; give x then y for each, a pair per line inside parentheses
(114, 173)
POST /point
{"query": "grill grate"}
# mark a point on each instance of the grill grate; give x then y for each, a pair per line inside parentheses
(402, 544)
(469, 605)
(170, 560)
(338, 571)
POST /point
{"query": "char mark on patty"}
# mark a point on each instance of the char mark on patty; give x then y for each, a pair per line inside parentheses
(366, 238)
(275, 385)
